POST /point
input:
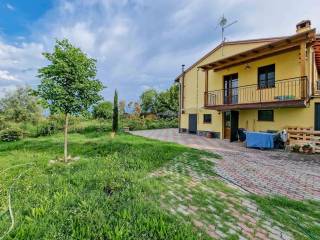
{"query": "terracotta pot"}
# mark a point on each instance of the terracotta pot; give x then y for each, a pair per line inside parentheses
(307, 150)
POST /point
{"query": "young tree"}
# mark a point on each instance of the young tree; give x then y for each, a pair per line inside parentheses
(115, 119)
(103, 110)
(68, 84)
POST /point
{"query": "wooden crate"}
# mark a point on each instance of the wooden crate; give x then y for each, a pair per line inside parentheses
(301, 136)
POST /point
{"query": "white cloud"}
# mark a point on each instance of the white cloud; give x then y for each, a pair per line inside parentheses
(140, 43)
(10, 7)
(19, 64)
(5, 75)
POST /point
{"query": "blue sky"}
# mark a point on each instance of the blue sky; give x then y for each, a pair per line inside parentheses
(139, 44)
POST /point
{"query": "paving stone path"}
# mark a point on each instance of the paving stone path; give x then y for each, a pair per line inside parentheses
(192, 192)
(296, 176)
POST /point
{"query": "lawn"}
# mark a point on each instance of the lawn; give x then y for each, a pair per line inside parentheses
(105, 195)
(130, 187)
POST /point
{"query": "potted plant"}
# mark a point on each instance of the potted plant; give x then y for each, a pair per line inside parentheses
(296, 148)
(307, 148)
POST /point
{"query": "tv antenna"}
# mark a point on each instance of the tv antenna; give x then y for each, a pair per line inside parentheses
(223, 23)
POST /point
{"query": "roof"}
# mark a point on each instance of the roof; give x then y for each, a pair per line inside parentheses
(272, 39)
(260, 51)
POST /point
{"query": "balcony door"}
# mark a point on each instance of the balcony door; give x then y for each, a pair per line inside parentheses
(231, 89)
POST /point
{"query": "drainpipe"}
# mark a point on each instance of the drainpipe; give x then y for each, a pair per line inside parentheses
(198, 98)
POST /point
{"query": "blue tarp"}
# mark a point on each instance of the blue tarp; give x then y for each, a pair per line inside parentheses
(259, 140)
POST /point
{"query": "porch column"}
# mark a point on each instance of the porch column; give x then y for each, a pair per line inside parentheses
(303, 80)
(206, 87)
(303, 49)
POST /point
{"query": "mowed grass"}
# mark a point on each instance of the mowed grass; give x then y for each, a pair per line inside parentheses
(301, 218)
(107, 194)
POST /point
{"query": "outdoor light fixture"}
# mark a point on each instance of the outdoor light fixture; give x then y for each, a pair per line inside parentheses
(247, 67)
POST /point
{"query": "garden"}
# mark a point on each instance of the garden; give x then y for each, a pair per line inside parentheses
(69, 171)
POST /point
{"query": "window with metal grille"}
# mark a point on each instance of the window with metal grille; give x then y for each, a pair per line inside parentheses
(266, 76)
(207, 118)
(265, 115)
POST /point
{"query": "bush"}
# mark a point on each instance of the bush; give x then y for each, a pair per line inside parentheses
(11, 134)
(47, 128)
(144, 124)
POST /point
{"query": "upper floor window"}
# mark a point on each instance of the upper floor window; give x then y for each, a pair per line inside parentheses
(266, 76)
(207, 118)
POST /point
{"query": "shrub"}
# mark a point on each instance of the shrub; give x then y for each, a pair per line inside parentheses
(47, 128)
(11, 134)
(143, 124)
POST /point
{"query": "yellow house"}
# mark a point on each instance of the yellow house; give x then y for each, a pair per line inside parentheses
(258, 85)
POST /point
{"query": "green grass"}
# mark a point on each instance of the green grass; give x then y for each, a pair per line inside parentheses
(105, 195)
(302, 218)
(109, 194)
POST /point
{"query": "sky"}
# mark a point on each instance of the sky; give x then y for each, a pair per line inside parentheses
(138, 44)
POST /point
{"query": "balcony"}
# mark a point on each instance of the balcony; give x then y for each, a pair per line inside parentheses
(284, 93)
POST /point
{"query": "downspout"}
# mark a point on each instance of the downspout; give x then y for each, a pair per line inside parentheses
(179, 120)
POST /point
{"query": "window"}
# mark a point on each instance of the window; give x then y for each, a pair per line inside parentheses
(207, 118)
(265, 115)
(266, 76)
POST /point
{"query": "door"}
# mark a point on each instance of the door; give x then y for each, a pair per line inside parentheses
(234, 126)
(193, 123)
(227, 125)
(231, 89)
(231, 125)
(317, 117)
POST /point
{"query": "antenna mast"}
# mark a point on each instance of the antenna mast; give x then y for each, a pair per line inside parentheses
(223, 23)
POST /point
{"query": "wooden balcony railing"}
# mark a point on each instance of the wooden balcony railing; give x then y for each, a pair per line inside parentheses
(287, 90)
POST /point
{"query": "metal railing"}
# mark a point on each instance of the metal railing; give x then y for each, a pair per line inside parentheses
(282, 90)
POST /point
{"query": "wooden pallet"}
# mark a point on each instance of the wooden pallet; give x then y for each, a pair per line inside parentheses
(301, 136)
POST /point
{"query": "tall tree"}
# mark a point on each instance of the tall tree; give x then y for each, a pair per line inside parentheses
(20, 106)
(148, 99)
(167, 102)
(103, 110)
(122, 107)
(68, 84)
(115, 120)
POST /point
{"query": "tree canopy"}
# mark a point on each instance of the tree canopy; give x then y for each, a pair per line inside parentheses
(148, 100)
(68, 83)
(103, 110)
(164, 103)
(20, 106)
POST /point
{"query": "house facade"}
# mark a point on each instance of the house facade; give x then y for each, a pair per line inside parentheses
(258, 85)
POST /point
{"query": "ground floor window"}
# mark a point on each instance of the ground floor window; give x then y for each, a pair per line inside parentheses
(266, 115)
(207, 118)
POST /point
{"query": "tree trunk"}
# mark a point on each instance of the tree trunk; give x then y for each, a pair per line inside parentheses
(66, 138)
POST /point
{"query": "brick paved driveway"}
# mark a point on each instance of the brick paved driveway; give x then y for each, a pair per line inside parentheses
(262, 172)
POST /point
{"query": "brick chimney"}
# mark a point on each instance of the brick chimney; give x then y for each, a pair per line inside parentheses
(303, 26)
